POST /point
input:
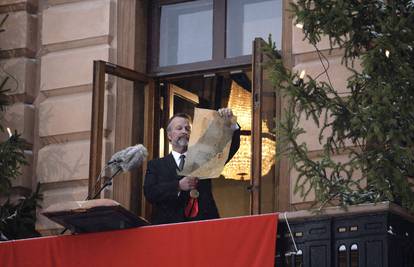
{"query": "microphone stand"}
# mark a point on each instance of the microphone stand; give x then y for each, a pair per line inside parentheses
(107, 183)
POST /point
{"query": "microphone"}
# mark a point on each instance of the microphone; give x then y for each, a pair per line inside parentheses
(124, 160)
(128, 158)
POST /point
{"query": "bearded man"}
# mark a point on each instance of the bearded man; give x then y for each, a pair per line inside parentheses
(176, 198)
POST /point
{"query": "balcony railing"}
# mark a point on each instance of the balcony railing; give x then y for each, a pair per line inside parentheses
(369, 235)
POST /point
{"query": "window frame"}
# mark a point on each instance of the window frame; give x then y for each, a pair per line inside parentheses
(218, 60)
(282, 200)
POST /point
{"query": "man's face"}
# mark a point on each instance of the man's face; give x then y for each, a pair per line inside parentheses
(179, 133)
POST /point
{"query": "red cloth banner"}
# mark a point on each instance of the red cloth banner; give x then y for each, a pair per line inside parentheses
(242, 241)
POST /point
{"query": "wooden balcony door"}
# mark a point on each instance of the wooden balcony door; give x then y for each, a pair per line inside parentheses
(268, 192)
(132, 112)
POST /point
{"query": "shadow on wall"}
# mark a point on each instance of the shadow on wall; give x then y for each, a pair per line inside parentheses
(55, 164)
(61, 159)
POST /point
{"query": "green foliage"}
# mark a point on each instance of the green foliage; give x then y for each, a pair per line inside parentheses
(374, 122)
(3, 97)
(11, 158)
(17, 217)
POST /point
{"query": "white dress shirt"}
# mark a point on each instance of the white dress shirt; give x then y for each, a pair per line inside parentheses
(177, 156)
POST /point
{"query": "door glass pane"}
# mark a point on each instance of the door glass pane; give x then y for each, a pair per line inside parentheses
(186, 32)
(240, 102)
(248, 19)
(129, 88)
(231, 192)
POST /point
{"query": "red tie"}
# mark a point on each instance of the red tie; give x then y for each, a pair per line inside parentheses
(191, 210)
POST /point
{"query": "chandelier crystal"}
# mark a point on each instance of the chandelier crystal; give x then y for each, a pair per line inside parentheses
(238, 168)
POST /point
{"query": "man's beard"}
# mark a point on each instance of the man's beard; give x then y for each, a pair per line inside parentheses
(182, 141)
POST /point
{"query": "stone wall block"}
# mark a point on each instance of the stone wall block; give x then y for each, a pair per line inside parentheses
(63, 162)
(337, 72)
(339, 82)
(297, 198)
(23, 72)
(300, 45)
(19, 117)
(58, 195)
(65, 114)
(311, 137)
(76, 21)
(68, 114)
(70, 67)
(11, 2)
(20, 31)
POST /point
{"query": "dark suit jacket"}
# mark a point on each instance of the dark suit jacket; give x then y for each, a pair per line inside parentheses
(161, 190)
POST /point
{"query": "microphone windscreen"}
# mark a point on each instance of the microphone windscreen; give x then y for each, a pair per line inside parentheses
(134, 157)
(128, 158)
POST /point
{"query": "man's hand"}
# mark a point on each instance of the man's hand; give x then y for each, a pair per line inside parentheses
(188, 183)
(227, 114)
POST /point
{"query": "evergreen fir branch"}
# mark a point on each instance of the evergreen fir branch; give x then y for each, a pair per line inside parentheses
(11, 159)
(4, 101)
(17, 219)
(374, 123)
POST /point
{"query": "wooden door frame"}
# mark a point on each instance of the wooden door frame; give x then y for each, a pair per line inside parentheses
(256, 148)
(168, 107)
(281, 191)
(100, 69)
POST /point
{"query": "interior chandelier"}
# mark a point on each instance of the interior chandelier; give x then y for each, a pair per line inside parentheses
(240, 101)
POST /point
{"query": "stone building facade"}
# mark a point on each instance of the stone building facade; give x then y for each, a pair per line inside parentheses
(49, 47)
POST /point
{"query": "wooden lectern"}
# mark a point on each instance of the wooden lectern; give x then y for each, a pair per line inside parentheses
(93, 216)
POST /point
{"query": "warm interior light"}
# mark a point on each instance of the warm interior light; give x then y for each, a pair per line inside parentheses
(387, 53)
(162, 144)
(239, 167)
(299, 25)
(9, 131)
(240, 104)
(302, 74)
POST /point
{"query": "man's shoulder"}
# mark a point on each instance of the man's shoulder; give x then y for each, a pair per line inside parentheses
(160, 160)
(161, 165)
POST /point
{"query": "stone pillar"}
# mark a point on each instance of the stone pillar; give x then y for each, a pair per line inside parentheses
(18, 61)
(73, 35)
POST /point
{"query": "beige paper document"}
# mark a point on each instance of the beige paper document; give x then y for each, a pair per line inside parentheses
(209, 145)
